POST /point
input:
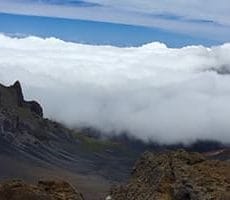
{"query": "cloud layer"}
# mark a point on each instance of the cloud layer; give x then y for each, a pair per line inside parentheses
(152, 91)
(198, 18)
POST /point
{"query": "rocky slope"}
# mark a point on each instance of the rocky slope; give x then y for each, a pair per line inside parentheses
(32, 147)
(44, 190)
(176, 175)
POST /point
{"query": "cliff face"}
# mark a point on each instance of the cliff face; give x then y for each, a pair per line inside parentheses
(21, 122)
(12, 96)
(176, 176)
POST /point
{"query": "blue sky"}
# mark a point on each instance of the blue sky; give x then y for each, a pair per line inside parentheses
(120, 23)
(92, 32)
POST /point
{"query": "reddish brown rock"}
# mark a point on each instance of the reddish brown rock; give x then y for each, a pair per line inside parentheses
(45, 190)
(176, 176)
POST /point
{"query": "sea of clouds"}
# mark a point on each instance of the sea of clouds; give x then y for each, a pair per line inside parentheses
(152, 91)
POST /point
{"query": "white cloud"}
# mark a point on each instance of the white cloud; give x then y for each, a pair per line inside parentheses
(142, 13)
(152, 91)
(193, 9)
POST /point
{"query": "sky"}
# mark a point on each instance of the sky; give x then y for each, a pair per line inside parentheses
(121, 23)
(96, 33)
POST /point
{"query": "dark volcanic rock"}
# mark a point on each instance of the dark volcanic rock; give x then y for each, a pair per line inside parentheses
(12, 96)
(32, 105)
(18, 89)
(176, 176)
(45, 190)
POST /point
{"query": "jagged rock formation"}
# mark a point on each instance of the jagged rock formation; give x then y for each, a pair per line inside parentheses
(176, 176)
(21, 122)
(44, 190)
(31, 145)
(12, 96)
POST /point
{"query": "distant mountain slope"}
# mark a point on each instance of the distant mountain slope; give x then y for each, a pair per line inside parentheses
(33, 144)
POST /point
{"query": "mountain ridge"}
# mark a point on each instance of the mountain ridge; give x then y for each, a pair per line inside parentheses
(48, 148)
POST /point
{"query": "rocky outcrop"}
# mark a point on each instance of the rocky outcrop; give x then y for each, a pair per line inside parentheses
(12, 96)
(44, 190)
(19, 95)
(33, 106)
(176, 176)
